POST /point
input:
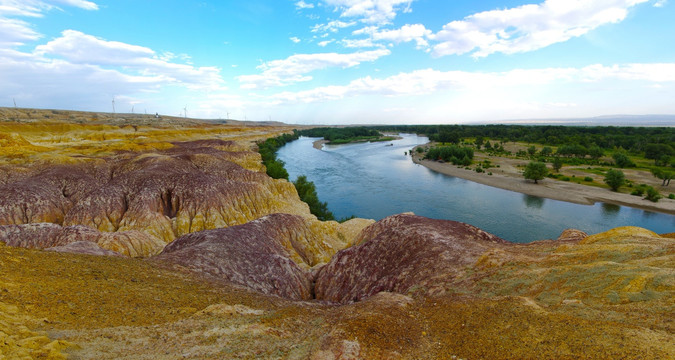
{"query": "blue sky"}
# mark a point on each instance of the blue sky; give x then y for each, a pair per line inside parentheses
(341, 61)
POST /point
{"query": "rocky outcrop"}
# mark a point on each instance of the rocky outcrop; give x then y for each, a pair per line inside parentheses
(257, 255)
(400, 253)
(573, 235)
(272, 255)
(191, 187)
(50, 236)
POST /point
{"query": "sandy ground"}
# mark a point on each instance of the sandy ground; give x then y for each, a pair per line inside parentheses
(319, 144)
(508, 177)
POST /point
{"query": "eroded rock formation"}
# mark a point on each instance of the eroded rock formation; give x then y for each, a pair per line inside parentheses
(51, 236)
(149, 197)
(272, 255)
(399, 253)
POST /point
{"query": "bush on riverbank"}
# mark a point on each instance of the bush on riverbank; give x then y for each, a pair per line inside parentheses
(268, 152)
(345, 135)
(307, 192)
(457, 155)
(276, 170)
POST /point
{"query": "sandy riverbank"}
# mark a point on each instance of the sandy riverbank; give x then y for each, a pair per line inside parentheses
(550, 188)
(319, 144)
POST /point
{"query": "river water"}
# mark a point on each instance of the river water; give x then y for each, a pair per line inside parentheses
(373, 180)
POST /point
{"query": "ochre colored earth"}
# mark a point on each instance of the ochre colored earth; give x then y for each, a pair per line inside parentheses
(88, 201)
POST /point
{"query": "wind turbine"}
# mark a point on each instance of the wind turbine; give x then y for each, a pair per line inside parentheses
(185, 110)
(113, 103)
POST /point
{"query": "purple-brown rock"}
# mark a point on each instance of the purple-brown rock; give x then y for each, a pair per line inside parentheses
(256, 255)
(400, 253)
(47, 235)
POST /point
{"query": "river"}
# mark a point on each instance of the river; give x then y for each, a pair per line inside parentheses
(374, 180)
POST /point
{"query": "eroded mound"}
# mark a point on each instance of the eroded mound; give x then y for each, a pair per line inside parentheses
(272, 255)
(399, 253)
(145, 198)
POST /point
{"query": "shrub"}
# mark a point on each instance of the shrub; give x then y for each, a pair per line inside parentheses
(588, 179)
(535, 171)
(652, 194)
(671, 196)
(307, 192)
(615, 178)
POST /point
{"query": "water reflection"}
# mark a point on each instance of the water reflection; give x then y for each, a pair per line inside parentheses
(610, 210)
(533, 201)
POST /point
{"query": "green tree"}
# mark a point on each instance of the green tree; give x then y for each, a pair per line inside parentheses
(595, 152)
(535, 170)
(615, 178)
(276, 170)
(532, 150)
(664, 175)
(622, 161)
(653, 195)
(557, 164)
(307, 192)
(479, 142)
(657, 151)
(546, 151)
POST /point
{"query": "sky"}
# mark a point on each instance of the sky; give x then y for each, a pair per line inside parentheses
(341, 61)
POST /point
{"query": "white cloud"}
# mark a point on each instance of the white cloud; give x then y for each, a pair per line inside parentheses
(429, 81)
(324, 43)
(79, 48)
(295, 39)
(303, 5)
(293, 69)
(36, 8)
(15, 32)
(81, 71)
(406, 33)
(660, 3)
(370, 11)
(358, 43)
(528, 27)
(87, 5)
(332, 26)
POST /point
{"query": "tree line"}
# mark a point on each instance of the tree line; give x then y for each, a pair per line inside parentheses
(275, 168)
(458, 155)
(634, 139)
(342, 135)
